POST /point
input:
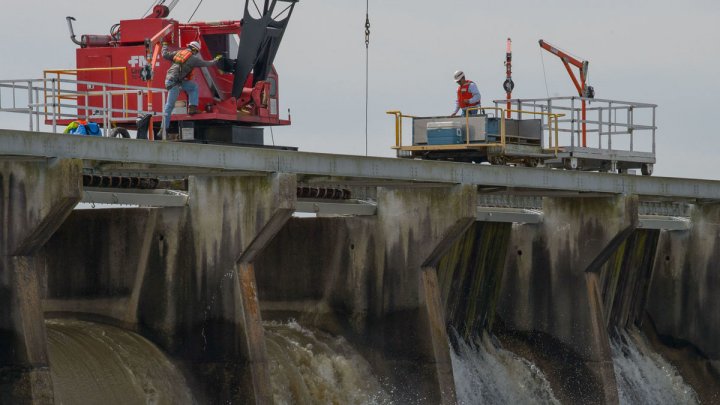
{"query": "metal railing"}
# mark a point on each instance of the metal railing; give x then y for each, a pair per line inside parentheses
(59, 100)
(615, 124)
(550, 124)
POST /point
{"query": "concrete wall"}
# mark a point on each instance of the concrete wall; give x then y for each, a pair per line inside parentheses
(35, 198)
(684, 305)
(181, 276)
(684, 302)
(367, 279)
(195, 279)
(551, 292)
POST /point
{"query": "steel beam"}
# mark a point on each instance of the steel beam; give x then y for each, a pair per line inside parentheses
(150, 198)
(231, 158)
(352, 207)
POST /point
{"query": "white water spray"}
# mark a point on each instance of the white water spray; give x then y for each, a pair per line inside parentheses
(311, 367)
(485, 373)
(643, 376)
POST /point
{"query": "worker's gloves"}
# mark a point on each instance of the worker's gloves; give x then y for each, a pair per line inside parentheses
(217, 58)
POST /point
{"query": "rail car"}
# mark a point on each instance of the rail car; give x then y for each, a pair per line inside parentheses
(615, 136)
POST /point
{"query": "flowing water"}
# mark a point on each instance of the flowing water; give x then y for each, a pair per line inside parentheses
(485, 373)
(95, 363)
(99, 364)
(643, 376)
(311, 367)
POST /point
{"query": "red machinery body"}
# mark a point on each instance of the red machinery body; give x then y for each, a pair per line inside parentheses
(233, 97)
(128, 50)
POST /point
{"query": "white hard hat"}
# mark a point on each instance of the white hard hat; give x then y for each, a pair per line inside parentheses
(459, 75)
(194, 45)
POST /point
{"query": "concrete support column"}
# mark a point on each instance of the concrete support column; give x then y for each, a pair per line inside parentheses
(551, 284)
(415, 227)
(683, 303)
(199, 297)
(35, 198)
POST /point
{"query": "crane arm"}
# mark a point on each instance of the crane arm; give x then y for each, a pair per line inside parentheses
(259, 42)
(580, 85)
(568, 60)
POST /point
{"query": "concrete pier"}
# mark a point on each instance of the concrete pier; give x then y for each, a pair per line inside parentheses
(552, 286)
(35, 199)
(369, 279)
(183, 277)
(683, 305)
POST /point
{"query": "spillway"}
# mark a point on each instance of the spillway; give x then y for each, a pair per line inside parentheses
(485, 373)
(643, 376)
(92, 363)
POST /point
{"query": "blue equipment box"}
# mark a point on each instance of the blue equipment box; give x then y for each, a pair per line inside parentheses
(445, 133)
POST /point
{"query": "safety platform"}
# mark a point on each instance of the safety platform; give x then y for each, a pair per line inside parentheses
(614, 136)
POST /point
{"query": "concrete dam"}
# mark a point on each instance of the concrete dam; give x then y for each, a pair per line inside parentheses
(433, 283)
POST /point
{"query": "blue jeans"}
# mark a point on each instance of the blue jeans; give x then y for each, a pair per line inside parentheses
(190, 88)
(470, 113)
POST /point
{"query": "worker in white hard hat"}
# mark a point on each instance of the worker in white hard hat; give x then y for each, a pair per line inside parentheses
(468, 95)
(180, 75)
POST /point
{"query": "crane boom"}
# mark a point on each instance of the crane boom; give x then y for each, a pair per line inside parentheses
(259, 42)
(584, 91)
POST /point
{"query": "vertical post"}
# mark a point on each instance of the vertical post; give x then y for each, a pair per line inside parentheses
(37, 108)
(549, 110)
(584, 124)
(55, 110)
(653, 131)
(519, 103)
(572, 122)
(108, 115)
(508, 85)
(630, 127)
(600, 114)
(30, 103)
(610, 125)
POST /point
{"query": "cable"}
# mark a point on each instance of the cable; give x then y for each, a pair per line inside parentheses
(367, 69)
(547, 92)
(272, 136)
(150, 8)
(196, 9)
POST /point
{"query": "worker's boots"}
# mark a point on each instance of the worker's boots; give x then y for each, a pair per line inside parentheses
(193, 109)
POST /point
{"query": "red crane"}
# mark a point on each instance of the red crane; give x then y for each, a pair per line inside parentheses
(583, 89)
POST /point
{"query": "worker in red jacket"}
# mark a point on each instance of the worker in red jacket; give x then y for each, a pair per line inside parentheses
(468, 95)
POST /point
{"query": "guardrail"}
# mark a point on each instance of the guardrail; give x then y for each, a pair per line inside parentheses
(616, 123)
(48, 98)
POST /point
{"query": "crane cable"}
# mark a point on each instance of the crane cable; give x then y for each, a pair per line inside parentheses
(367, 69)
(154, 3)
(544, 74)
(196, 9)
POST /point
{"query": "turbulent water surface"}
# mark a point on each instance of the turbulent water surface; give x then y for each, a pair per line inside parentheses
(99, 364)
(643, 376)
(311, 367)
(485, 373)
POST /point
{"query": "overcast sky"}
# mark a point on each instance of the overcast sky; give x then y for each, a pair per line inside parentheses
(663, 51)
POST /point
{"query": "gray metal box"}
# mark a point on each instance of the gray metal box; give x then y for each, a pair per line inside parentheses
(530, 129)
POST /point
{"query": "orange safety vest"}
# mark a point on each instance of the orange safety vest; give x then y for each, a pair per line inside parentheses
(181, 57)
(464, 94)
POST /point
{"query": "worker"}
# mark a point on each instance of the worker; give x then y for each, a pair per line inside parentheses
(180, 76)
(468, 95)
